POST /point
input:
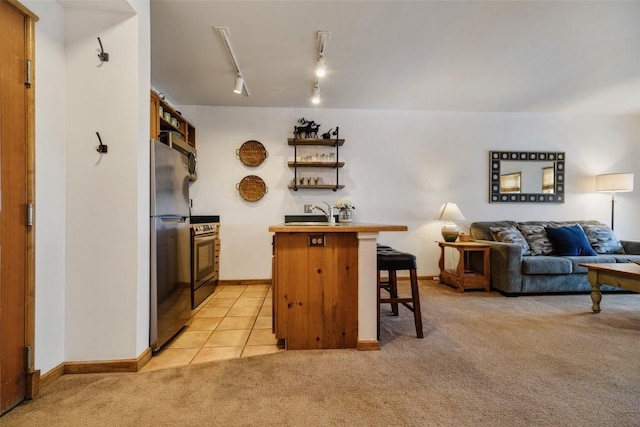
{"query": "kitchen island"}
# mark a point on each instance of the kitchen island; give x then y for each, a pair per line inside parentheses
(325, 284)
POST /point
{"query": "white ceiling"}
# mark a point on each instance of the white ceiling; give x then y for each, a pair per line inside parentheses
(503, 56)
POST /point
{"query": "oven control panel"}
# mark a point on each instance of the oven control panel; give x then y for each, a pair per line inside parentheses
(211, 228)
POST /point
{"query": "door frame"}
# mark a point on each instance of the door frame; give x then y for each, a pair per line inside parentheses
(32, 375)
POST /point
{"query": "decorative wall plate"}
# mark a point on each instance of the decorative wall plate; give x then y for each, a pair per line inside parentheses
(252, 153)
(252, 188)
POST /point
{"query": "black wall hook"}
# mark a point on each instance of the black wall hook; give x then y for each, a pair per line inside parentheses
(104, 57)
(102, 148)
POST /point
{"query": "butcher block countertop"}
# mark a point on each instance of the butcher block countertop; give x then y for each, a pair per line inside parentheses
(341, 227)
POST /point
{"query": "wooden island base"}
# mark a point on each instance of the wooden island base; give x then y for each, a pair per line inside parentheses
(324, 284)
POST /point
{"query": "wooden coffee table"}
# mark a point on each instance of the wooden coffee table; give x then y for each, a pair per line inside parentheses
(624, 275)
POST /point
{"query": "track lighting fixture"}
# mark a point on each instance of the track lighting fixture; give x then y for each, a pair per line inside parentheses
(321, 66)
(240, 84)
(315, 98)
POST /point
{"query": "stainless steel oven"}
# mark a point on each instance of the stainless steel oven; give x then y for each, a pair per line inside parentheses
(205, 260)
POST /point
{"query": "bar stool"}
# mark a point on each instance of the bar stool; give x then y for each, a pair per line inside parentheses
(391, 260)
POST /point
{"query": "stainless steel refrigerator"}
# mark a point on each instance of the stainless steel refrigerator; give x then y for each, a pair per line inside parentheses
(170, 307)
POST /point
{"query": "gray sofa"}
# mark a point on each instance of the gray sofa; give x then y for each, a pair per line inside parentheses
(532, 266)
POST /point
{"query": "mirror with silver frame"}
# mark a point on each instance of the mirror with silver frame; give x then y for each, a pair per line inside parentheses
(526, 177)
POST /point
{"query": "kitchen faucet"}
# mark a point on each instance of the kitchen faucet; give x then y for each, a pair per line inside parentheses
(328, 213)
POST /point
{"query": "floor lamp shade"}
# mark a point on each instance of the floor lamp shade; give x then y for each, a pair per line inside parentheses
(614, 183)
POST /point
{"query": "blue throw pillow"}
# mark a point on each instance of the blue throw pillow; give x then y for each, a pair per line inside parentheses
(569, 241)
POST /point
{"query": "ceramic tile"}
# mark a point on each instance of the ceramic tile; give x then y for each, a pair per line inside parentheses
(221, 302)
(262, 337)
(265, 310)
(228, 338)
(212, 354)
(190, 339)
(258, 350)
(236, 323)
(204, 323)
(230, 292)
(212, 312)
(170, 358)
(263, 322)
(248, 302)
(259, 293)
(224, 326)
(243, 311)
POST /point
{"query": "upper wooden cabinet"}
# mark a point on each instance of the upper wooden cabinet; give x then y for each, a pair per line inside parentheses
(166, 118)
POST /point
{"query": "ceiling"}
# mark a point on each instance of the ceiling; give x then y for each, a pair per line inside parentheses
(472, 56)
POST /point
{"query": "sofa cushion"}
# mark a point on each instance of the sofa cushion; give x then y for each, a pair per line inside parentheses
(510, 235)
(569, 241)
(546, 265)
(625, 258)
(599, 259)
(536, 238)
(603, 239)
(482, 230)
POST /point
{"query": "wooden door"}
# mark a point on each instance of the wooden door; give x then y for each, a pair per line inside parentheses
(16, 248)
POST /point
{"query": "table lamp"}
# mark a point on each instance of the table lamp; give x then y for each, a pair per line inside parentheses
(614, 183)
(450, 212)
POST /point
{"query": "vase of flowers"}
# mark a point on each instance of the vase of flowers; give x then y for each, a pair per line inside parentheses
(345, 209)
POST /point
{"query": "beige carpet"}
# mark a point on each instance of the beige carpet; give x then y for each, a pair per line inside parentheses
(486, 360)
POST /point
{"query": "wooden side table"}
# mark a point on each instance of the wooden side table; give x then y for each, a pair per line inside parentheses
(464, 276)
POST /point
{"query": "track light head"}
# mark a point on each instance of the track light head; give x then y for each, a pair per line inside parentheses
(321, 66)
(239, 84)
(315, 98)
(225, 36)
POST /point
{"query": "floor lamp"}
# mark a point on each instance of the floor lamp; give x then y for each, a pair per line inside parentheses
(614, 183)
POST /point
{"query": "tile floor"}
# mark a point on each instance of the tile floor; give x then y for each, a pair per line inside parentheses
(234, 322)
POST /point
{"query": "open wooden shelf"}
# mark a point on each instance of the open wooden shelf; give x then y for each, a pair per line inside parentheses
(316, 164)
(316, 141)
(317, 187)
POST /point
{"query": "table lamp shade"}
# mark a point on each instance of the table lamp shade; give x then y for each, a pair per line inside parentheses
(450, 212)
(616, 182)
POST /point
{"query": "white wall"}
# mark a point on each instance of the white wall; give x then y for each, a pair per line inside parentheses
(142, 186)
(50, 184)
(104, 260)
(400, 167)
(92, 227)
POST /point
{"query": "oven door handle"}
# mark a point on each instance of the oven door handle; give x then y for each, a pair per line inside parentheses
(174, 219)
(204, 238)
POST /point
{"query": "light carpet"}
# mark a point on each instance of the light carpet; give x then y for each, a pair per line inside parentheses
(486, 360)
